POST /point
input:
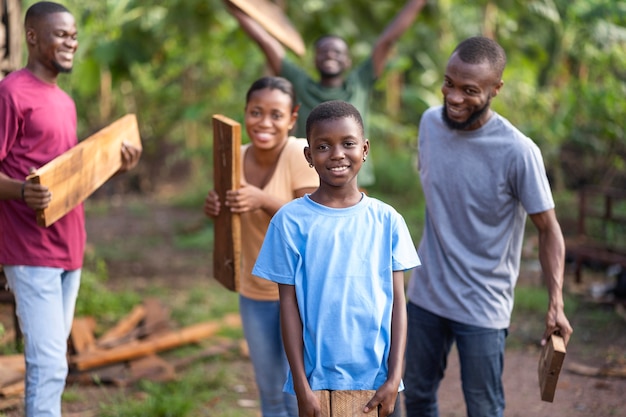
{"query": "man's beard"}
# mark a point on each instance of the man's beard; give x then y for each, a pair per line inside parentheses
(473, 118)
(60, 68)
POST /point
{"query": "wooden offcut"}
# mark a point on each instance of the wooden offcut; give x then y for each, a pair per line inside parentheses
(227, 225)
(76, 174)
(82, 337)
(344, 403)
(274, 21)
(121, 332)
(550, 363)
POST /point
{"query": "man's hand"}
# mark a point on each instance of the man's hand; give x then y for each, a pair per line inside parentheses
(130, 157)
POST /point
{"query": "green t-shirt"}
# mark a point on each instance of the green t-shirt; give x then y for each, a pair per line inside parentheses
(355, 90)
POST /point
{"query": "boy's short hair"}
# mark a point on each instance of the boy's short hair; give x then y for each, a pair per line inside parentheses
(333, 110)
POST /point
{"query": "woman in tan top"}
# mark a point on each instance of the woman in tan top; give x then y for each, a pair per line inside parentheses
(274, 172)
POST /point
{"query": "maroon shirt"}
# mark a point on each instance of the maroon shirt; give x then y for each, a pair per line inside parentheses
(37, 124)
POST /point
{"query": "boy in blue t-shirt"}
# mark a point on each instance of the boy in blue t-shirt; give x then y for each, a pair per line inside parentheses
(338, 257)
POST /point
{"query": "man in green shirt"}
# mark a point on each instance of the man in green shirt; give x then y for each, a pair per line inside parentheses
(333, 63)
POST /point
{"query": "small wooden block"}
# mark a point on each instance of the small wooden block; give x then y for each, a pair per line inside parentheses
(226, 176)
(82, 336)
(350, 403)
(550, 363)
(272, 18)
(344, 403)
(76, 174)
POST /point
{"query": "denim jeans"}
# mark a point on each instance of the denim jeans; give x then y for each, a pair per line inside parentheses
(481, 355)
(45, 299)
(261, 327)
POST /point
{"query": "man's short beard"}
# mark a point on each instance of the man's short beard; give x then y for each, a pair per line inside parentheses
(61, 69)
(474, 117)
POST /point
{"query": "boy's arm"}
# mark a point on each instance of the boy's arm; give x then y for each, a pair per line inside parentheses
(273, 50)
(386, 395)
(392, 33)
(291, 328)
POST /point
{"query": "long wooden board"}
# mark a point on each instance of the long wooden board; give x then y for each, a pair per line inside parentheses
(226, 176)
(272, 18)
(550, 363)
(76, 174)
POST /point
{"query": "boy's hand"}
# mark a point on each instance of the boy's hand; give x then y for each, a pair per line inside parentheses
(384, 400)
(309, 405)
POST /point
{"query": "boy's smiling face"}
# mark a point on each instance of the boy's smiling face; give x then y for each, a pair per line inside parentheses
(337, 149)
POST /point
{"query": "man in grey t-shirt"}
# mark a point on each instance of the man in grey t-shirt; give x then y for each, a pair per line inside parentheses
(481, 177)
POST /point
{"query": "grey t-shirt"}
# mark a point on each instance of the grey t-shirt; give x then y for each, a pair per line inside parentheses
(478, 187)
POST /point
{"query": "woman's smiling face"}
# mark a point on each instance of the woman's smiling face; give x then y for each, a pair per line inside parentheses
(268, 118)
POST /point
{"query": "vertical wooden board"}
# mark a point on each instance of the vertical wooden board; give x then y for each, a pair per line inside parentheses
(274, 21)
(350, 403)
(76, 174)
(226, 176)
(550, 363)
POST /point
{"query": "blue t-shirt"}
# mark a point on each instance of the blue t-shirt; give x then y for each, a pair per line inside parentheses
(478, 186)
(341, 262)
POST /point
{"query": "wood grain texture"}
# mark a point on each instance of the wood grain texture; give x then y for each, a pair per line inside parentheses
(550, 363)
(344, 403)
(76, 174)
(274, 21)
(226, 176)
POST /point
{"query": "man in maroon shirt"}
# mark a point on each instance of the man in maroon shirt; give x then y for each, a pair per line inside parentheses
(42, 265)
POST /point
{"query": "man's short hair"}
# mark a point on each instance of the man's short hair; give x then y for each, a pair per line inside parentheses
(319, 40)
(43, 8)
(333, 110)
(478, 49)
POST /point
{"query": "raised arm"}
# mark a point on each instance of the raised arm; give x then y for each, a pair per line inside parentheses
(273, 50)
(392, 33)
(552, 259)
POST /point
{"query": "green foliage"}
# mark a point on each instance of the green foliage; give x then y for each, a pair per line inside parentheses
(177, 62)
(95, 299)
(205, 303)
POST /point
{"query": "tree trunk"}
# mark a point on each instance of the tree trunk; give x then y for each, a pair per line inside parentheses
(11, 36)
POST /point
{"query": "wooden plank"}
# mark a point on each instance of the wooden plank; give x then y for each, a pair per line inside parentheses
(82, 336)
(15, 362)
(13, 389)
(226, 176)
(157, 318)
(76, 174)
(190, 334)
(550, 363)
(152, 368)
(122, 329)
(9, 376)
(274, 21)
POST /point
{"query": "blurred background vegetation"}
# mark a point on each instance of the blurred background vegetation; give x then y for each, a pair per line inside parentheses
(175, 63)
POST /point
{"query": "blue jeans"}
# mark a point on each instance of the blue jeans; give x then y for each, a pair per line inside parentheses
(261, 327)
(45, 300)
(481, 355)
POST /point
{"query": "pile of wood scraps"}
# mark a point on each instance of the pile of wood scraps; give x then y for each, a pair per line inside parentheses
(127, 352)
